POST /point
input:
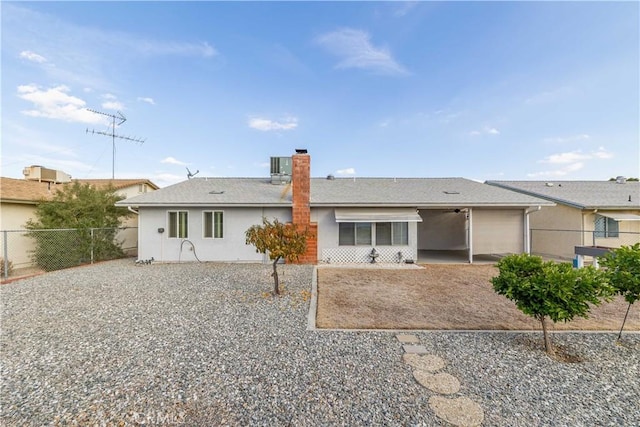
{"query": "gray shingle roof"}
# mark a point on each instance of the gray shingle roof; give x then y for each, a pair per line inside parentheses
(417, 192)
(216, 191)
(580, 194)
(420, 192)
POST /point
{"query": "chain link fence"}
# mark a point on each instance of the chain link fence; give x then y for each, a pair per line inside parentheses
(560, 244)
(29, 251)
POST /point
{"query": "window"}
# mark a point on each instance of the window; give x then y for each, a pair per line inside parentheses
(361, 233)
(392, 233)
(354, 234)
(178, 224)
(213, 224)
(606, 227)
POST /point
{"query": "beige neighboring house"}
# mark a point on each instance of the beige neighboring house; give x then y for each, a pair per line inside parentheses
(20, 197)
(587, 213)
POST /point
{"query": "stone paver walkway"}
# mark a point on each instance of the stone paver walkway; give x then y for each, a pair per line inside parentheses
(459, 411)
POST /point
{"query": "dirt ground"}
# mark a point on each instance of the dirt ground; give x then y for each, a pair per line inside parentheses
(439, 296)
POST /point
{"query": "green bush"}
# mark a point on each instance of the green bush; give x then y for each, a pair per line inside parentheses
(622, 266)
(550, 290)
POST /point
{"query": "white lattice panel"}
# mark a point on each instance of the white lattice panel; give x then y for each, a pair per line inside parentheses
(359, 254)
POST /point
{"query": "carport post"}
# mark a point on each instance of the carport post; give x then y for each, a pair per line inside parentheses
(470, 219)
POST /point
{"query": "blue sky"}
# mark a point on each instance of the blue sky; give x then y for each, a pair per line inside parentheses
(481, 90)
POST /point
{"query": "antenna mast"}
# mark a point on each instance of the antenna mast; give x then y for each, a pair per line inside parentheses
(121, 118)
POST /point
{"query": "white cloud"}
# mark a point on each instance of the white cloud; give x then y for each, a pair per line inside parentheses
(602, 154)
(346, 172)
(113, 105)
(356, 51)
(147, 100)
(288, 123)
(562, 158)
(488, 130)
(158, 48)
(32, 56)
(405, 7)
(571, 161)
(566, 139)
(173, 161)
(573, 167)
(577, 155)
(56, 103)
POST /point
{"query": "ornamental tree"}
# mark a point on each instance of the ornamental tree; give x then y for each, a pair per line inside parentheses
(550, 290)
(622, 266)
(280, 241)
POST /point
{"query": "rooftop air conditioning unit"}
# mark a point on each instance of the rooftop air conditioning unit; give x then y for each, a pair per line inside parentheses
(281, 169)
(42, 174)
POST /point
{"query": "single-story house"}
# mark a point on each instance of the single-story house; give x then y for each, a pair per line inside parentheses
(20, 197)
(206, 218)
(586, 213)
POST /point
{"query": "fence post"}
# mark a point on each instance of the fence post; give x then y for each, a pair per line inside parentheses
(92, 245)
(5, 251)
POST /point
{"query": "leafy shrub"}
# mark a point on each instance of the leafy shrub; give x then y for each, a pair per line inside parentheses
(550, 290)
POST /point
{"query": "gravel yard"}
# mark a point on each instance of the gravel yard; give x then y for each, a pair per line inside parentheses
(203, 344)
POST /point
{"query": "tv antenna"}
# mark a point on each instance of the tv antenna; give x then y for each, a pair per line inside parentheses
(121, 119)
(191, 175)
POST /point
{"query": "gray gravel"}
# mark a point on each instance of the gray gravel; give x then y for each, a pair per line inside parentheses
(202, 344)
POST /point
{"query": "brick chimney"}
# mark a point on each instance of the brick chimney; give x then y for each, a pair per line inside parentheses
(300, 209)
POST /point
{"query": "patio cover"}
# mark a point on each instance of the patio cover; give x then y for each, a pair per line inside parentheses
(621, 216)
(378, 215)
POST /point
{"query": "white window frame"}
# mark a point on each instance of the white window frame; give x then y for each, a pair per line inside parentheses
(177, 230)
(217, 232)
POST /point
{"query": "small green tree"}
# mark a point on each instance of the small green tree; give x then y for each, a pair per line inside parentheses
(80, 207)
(622, 266)
(280, 241)
(549, 289)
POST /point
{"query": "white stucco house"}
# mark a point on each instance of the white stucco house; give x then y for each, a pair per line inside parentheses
(206, 218)
(586, 213)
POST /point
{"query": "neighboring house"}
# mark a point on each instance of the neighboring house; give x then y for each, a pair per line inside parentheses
(20, 197)
(401, 218)
(587, 213)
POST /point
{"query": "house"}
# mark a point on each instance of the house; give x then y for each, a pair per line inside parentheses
(587, 213)
(401, 218)
(20, 197)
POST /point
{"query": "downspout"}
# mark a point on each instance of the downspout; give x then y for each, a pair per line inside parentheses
(527, 231)
(130, 209)
(470, 219)
(584, 227)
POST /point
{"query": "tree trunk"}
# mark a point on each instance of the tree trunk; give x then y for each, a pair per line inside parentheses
(276, 281)
(548, 347)
(623, 322)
